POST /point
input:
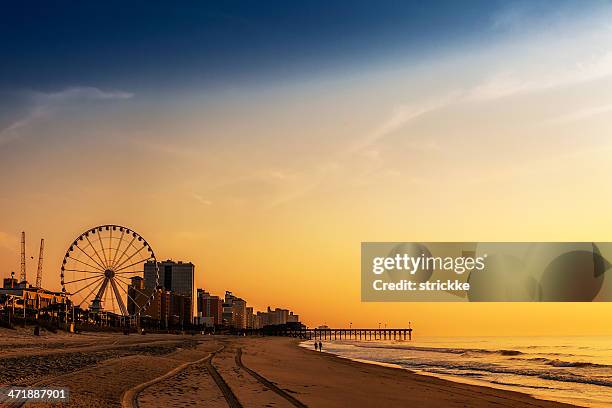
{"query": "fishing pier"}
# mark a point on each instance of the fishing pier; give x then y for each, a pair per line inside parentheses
(334, 334)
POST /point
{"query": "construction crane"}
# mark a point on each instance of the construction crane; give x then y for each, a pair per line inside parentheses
(22, 276)
(40, 264)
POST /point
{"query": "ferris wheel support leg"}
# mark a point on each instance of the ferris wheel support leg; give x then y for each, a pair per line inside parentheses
(119, 299)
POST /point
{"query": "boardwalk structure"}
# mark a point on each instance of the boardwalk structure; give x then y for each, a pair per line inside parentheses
(362, 334)
(335, 334)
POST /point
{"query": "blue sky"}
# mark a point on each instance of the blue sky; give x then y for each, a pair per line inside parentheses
(143, 44)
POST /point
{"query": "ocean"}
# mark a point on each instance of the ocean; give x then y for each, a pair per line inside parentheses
(576, 370)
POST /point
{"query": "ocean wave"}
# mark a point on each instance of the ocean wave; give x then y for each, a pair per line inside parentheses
(563, 363)
(513, 363)
(465, 351)
(540, 387)
(446, 350)
(577, 379)
(509, 352)
(473, 367)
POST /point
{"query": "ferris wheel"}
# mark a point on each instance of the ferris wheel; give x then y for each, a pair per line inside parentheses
(104, 270)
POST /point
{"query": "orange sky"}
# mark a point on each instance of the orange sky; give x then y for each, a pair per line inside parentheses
(270, 189)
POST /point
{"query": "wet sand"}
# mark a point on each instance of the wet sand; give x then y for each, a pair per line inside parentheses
(323, 380)
(113, 370)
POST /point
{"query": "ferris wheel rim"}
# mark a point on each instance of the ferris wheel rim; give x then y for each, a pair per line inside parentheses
(107, 271)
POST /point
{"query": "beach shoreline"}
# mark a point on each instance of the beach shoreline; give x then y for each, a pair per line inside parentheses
(258, 371)
(566, 369)
(340, 382)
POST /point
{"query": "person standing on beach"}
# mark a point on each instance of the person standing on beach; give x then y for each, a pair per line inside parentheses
(316, 346)
(320, 346)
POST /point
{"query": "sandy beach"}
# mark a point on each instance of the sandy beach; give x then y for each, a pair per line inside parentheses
(113, 370)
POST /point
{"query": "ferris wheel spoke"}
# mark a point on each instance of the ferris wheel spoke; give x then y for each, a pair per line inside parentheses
(89, 256)
(129, 297)
(96, 252)
(128, 272)
(85, 263)
(88, 285)
(124, 251)
(116, 267)
(84, 271)
(118, 248)
(102, 247)
(131, 244)
(81, 280)
(124, 280)
(132, 264)
(129, 284)
(102, 289)
(91, 292)
(110, 244)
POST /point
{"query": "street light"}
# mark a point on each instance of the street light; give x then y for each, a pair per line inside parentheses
(378, 325)
(350, 325)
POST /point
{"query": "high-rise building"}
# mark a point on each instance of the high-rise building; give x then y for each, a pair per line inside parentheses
(234, 311)
(261, 320)
(177, 277)
(181, 309)
(274, 317)
(227, 316)
(138, 295)
(277, 316)
(250, 318)
(209, 306)
(167, 307)
(239, 313)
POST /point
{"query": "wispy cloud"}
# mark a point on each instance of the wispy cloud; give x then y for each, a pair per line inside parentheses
(400, 117)
(200, 199)
(12, 131)
(504, 84)
(497, 86)
(80, 93)
(517, 67)
(580, 114)
(501, 85)
(43, 104)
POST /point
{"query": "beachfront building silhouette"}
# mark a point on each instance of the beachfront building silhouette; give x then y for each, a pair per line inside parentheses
(239, 312)
(176, 277)
(234, 311)
(15, 295)
(250, 318)
(209, 309)
(274, 317)
(277, 316)
(166, 307)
